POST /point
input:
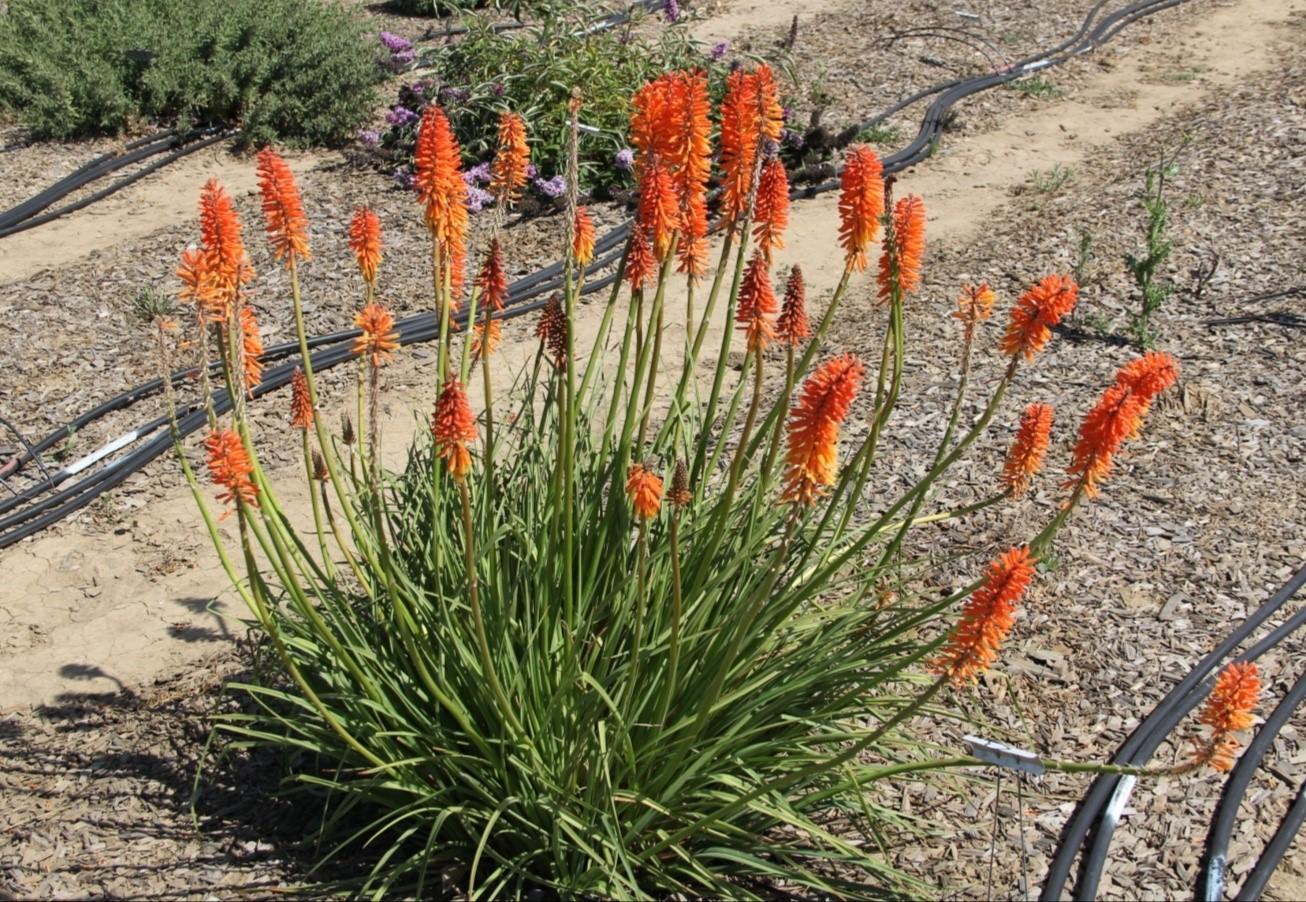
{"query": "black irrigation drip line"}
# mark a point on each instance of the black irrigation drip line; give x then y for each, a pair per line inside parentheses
(1211, 874)
(184, 150)
(24, 215)
(334, 348)
(1277, 847)
(79, 177)
(1097, 814)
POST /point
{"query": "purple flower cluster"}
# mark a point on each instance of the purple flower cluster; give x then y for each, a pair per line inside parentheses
(671, 11)
(478, 174)
(624, 159)
(400, 116)
(719, 50)
(395, 43)
(403, 178)
(478, 198)
(453, 95)
(369, 136)
(554, 187)
(792, 138)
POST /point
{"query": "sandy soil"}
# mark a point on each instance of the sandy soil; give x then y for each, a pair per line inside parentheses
(105, 612)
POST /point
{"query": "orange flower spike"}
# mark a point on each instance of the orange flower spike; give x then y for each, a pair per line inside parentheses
(1037, 310)
(1025, 458)
(197, 283)
(757, 304)
(491, 280)
(693, 248)
(770, 114)
(986, 618)
(653, 121)
(1149, 375)
(365, 242)
(224, 250)
(251, 344)
(486, 338)
(861, 204)
(582, 237)
(230, 467)
(974, 306)
(903, 271)
(379, 338)
(771, 212)
(283, 210)
(454, 426)
(438, 179)
(691, 150)
(1118, 416)
(1233, 698)
(739, 139)
(301, 408)
(644, 489)
(1228, 710)
(511, 159)
(640, 264)
(792, 327)
(813, 447)
(659, 214)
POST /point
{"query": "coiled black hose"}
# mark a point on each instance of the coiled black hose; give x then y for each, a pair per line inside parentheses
(1210, 880)
(1095, 818)
(1277, 847)
(335, 349)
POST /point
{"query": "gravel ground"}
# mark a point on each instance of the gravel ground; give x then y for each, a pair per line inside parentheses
(1203, 519)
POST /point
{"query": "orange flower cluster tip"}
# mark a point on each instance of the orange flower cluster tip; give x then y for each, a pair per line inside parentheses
(552, 330)
(230, 467)
(379, 337)
(440, 187)
(1228, 710)
(987, 618)
(301, 406)
(1026, 455)
(757, 304)
(1119, 416)
(861, 204)
(224, 249)
(486, 336)
(900, 262)
(582, 237)
(492, 280)
(1039, 309)
(640, 264)
(453, 427)
(283, 211)
(973, 307)
(670, 127)
(251, 348)
(771, 210)
(792, 326)
(365, 242)
(511, 158)
(659, 212)
(644, 489)
(750, 115)
(812, 457)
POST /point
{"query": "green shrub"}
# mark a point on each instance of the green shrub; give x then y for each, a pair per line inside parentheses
(530, 72)
(299, 72)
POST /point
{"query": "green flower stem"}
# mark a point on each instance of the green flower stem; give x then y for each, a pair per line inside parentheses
(673, 658)
(328, 451)
(317, 507)
(478, 623)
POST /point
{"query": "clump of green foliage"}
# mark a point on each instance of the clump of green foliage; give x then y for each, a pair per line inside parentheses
(1152, 291)
(285, 70)
(531, 71)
